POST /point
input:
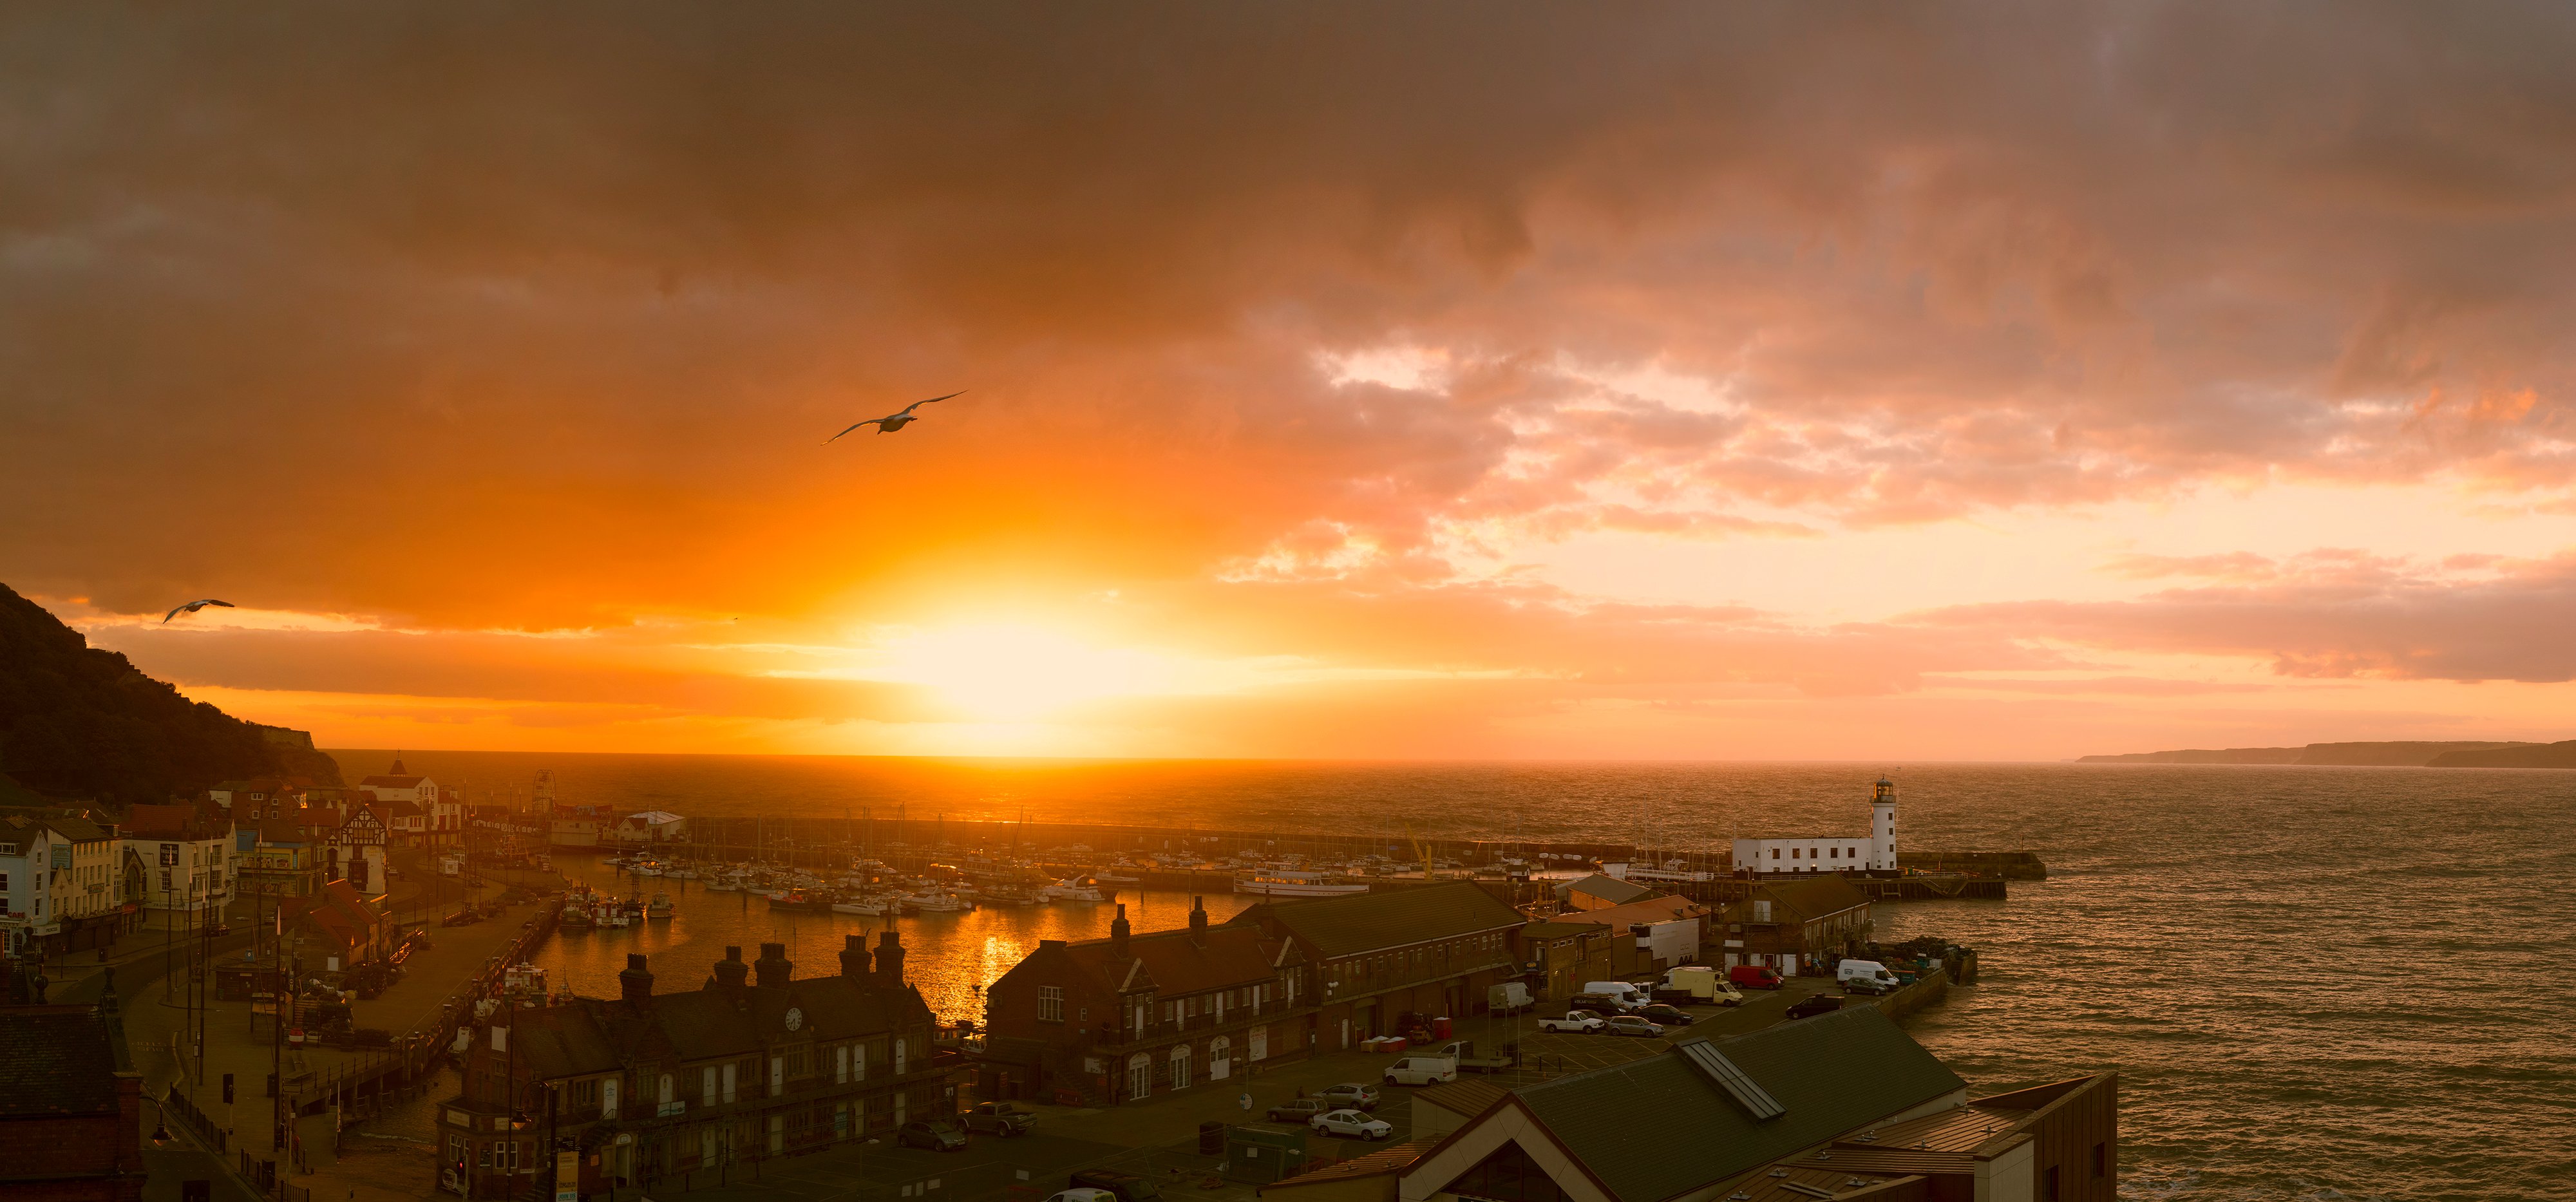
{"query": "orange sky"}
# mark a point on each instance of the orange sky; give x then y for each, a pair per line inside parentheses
(1954, 381)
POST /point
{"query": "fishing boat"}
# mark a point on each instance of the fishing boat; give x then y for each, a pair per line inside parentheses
(658, 908)
(609, 916)
(937, 901)
(575, 916)
(524, 984)
(1291, 882)
(1078, 891)
(863, 907)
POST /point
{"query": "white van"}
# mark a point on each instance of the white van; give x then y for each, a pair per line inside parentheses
(1703, 984)
(1423, 1070)
(1864, 976)
(1626, 994)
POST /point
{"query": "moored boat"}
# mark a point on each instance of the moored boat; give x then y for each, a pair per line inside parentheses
(659, 907)
(1290, 882)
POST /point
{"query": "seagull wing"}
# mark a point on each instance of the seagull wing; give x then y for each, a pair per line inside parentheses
(918, 404)
(837, 437)
(193, 607)
(165, 618)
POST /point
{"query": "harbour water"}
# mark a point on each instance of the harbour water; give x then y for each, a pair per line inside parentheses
(2315, 982)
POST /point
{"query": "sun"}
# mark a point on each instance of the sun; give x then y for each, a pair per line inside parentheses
(1005, 672)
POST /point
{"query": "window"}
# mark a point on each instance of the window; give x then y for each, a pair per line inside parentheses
(1140, 1075)
(1181, 1067)
(1833, 853)
(2101, 1160)
(1050, 1003)
(1775, 853)
(730, 1072)
(841, 1065)
(777, 1075)
(707, 1086)
(898, 1056)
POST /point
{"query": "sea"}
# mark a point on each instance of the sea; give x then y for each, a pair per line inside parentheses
(2314, 982)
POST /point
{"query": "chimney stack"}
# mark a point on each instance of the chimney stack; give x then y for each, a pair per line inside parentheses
(854, 957)
(889, 958)
(1118, 930)
(1198, 917)
(773, 968)
(635, 984)
(729, 973)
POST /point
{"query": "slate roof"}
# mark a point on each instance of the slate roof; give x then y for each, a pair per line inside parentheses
(58, 1061)
(1608, 888)
(1650, 910)
(391, 782)
(1376, 1164)
(1357, 923)
(1814, 897)
(1220, 958)
(80, 830)
(595, 1035)
(1558, 929)
(175, 823)
(1658, 1127)
(1465, 1096)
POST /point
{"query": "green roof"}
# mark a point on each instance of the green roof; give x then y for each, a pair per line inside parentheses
(1656, 1128)
(1365, 922)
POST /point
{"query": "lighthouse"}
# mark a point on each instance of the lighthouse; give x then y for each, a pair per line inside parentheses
(1882, 825)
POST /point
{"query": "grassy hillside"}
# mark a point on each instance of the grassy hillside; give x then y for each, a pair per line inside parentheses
(79, 722)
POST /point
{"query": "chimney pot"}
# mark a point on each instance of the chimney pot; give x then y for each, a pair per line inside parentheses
(730, 972)
(1198, 917)
(773, 968)
(636, 983)
(890, 958)
(854, 957)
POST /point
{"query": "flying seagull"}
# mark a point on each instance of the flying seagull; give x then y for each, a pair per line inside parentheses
(894, 421)
(193, 607)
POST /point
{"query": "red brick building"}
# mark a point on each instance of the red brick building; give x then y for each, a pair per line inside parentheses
(1430, 950)
(71, 1107)
(1132, 1016)
(1797, 926)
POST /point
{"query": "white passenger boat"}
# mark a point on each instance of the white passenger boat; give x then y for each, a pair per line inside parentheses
(1077, 891)
(1289, 882)
(937, 901)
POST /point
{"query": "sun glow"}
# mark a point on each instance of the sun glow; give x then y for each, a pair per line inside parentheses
(1005, 672)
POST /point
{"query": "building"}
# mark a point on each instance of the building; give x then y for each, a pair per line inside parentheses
(1796, 926)
(1112, 1020)
(1378, 957)
(1370, 1177)
(71, 1106)
(1842, 1105)
(89, 899)
(344, 928)
(1598, 892)
(647, 1087)
(1876, 852)
(439, 813)
(1662, 931)
(279, 857)
(578, 825)
(357, 849)
(188, 856)
(648, 828)
(34, 864)
(1441, 1109)
(1557, 957)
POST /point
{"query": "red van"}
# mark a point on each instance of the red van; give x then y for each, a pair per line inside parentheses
(1753, 976)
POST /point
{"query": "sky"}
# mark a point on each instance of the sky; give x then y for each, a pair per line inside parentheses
(1765, 381)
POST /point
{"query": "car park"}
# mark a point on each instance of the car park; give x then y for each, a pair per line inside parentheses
(1665, 1016)
(1822, 1003)
(1000, 1118)
(1423, 1070)
(1082, 1195)
(936, 1136)
(1352, 1094)
(1299, 1110)
(1575, 1022)
(1630, 1024)
(1754, 976)
(1352, 1124)
(1598, 1003)
(1123, 1187)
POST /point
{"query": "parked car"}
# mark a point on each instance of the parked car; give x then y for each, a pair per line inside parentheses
(1822, 1003)
(1351, 1094)
(1575, 1022)
(1630, 1024)
(1663, 1015)
(936, 1136)
(1000, 1118)
(1353, 1124)
(1423, 1070)
(1299, 1111)
(1865, 976)
(1082, 1195)
(1598, 1003)
(1124, 1187)
(1754, 976)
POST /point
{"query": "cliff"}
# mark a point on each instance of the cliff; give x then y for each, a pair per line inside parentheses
(2511, 755)
(2369, 755)
(79, 722)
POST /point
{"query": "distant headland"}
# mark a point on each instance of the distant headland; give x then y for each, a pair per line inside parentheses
(2373, 755)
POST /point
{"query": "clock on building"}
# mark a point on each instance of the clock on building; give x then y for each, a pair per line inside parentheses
(795, 1018)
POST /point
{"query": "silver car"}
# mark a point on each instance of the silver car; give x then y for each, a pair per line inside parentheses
(1630, 1024)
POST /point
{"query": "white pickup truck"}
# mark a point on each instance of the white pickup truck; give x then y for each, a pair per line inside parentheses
(1576, 1022)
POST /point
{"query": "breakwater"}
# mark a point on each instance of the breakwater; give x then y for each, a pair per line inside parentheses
(1168, 857)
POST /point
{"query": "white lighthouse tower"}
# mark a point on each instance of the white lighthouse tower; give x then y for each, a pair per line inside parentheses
(1882, 825)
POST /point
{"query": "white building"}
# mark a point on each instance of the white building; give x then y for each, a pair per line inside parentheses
(34, 861)
(188, 856)
(1874, 852)
(649, 827)
(442, 811)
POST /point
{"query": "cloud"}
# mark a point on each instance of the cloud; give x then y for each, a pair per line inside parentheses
(2333, 614)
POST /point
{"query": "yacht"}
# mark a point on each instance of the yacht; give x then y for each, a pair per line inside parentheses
(864, 907)
(1291, 882)
(1078, 891)
(937, 901)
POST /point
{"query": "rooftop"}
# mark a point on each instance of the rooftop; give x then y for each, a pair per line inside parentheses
(1365, 922)
(1375, 1164)
(58, 1061)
